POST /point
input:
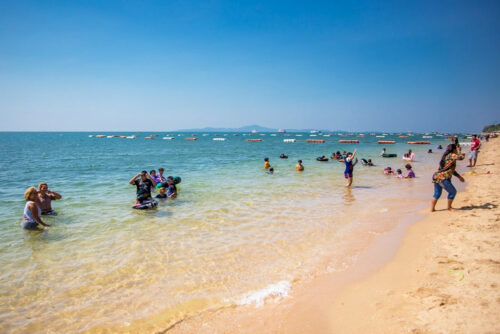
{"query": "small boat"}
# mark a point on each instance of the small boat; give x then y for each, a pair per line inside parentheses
(131, 137)
(100, 136)
(190, 138)
(90, 136)
(109, 136)
(290, 140)
(148, 137)
(419, 142)
(426, 136)
(352, 141)
(219, 139)
(313, 135)
(281, 131)
(254, 139)
(273, 135)
(315, 141)
(380, 136)
(386, 142)
(168, 138)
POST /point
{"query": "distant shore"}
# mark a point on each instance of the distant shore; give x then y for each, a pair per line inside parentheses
(443, 278)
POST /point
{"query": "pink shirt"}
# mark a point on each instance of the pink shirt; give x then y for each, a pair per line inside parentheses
(475, 144)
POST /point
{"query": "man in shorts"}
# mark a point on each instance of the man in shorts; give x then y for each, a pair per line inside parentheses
(474, 150)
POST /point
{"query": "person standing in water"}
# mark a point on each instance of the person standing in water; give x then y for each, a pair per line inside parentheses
(349, 166)
(266, 163)
(299, 167)
(45, 197)
(442, 178)
(32, 212)
(144, 183)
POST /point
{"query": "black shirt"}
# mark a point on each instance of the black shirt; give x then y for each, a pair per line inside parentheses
(143, 187)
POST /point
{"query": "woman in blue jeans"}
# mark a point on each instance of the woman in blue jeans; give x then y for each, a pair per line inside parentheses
(442, 178)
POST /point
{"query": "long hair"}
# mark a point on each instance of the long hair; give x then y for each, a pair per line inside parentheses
(449, 149)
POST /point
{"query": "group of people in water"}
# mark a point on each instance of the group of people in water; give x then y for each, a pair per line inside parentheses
(39, 201)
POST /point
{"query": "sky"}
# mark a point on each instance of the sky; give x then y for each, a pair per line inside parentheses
(166, 65)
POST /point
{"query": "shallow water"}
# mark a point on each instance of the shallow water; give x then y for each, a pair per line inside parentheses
(232, 231)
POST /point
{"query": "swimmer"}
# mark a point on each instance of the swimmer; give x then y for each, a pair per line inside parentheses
(172, 189)
(399, 174)
(430, 150)
(383, 152)
(283, 156)
(299, 167)
(271, 171)
(266, 163)
(388, 170)
(162, 193)
(45, 197)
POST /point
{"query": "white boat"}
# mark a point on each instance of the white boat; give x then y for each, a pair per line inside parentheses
(426, 136)
(380, 136)
(326, 135)
(273, 134)
(90, 136)
(289, 140)
(281, 131)
(262, 134)
(254, 131)
(313, 135)
(298, 135)
(219, 139)
(131, 137)
(168, 138)
(109, 136)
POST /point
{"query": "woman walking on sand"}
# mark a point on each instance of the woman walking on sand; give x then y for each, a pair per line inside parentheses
(442, 178)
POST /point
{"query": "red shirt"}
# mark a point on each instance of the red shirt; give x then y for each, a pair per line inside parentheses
(475, 146)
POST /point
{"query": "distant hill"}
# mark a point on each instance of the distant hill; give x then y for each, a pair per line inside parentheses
(247, 128)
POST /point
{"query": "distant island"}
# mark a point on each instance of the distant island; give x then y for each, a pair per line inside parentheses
(248, 128)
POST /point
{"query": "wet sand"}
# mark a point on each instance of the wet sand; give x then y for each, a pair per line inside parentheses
(439, 275)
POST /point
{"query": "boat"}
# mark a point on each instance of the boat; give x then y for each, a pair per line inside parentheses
(289, 140)
(190, 138)
(254, 131)
(315, 141)
(419, 142)
(219, 139)
(389, 155)
(100, 136)
(131, 137)
(254, 139)
(426, 136)
(386, 142)
(168, 138)
(352, 141)
(281, 131)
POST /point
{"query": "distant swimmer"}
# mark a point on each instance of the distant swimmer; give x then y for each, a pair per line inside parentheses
(399, 174)
(283, 156)
(32, 212)
(271, 171)
(388, 171)
(367, 162)
(430, 150)
(45, 197)
(440, 147)
(266, 163)
(144, 183)
(349, 166)
(299, 167)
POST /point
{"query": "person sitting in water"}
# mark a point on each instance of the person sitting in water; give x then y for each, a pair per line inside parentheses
(388, 170)
(266, 163)
(430, 150)
(32, 212)
(162, 193)
(409, 172)
(144, 183)
(370, 163)
(172, 189)
(383, 152)
(399, 174)
(299, 167)
(283, 156)
(271, 171)
(440, 147)
(45, 197)
(410, 156)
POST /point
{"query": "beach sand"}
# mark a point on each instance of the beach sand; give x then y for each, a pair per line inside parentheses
(442, 277)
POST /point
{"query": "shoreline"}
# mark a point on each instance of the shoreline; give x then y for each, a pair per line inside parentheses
(406, 281)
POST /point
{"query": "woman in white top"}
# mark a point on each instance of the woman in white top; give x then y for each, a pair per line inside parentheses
(31, 214)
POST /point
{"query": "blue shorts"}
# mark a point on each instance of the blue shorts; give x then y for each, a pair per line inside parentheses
(448, 186)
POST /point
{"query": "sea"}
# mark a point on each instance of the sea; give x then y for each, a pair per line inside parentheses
(235, 234)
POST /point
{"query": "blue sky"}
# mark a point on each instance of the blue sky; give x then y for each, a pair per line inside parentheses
(166, 65)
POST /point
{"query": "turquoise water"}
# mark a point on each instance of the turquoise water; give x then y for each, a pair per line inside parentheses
(232, 230)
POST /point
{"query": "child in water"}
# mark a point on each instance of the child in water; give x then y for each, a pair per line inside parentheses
(409, 172)
(172, 189)
(399, 174)
(388, 170)
(266, 163)
(162, 193)
(299, 167)
(271, 171)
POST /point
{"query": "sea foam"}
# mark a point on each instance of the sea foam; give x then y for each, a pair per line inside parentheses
(276, 291)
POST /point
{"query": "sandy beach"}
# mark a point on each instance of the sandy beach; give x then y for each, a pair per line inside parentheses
(439, 275)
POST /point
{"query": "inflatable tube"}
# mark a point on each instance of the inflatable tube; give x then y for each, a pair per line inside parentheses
(321, 159)
(419, 142)
(177, 179)
(254, 139)
(150, 204)
(386, 142)
(190, 138)
(353, 141)
(389, 155)
(315, 141)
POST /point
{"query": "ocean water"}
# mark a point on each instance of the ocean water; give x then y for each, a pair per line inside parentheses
(234, 235)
